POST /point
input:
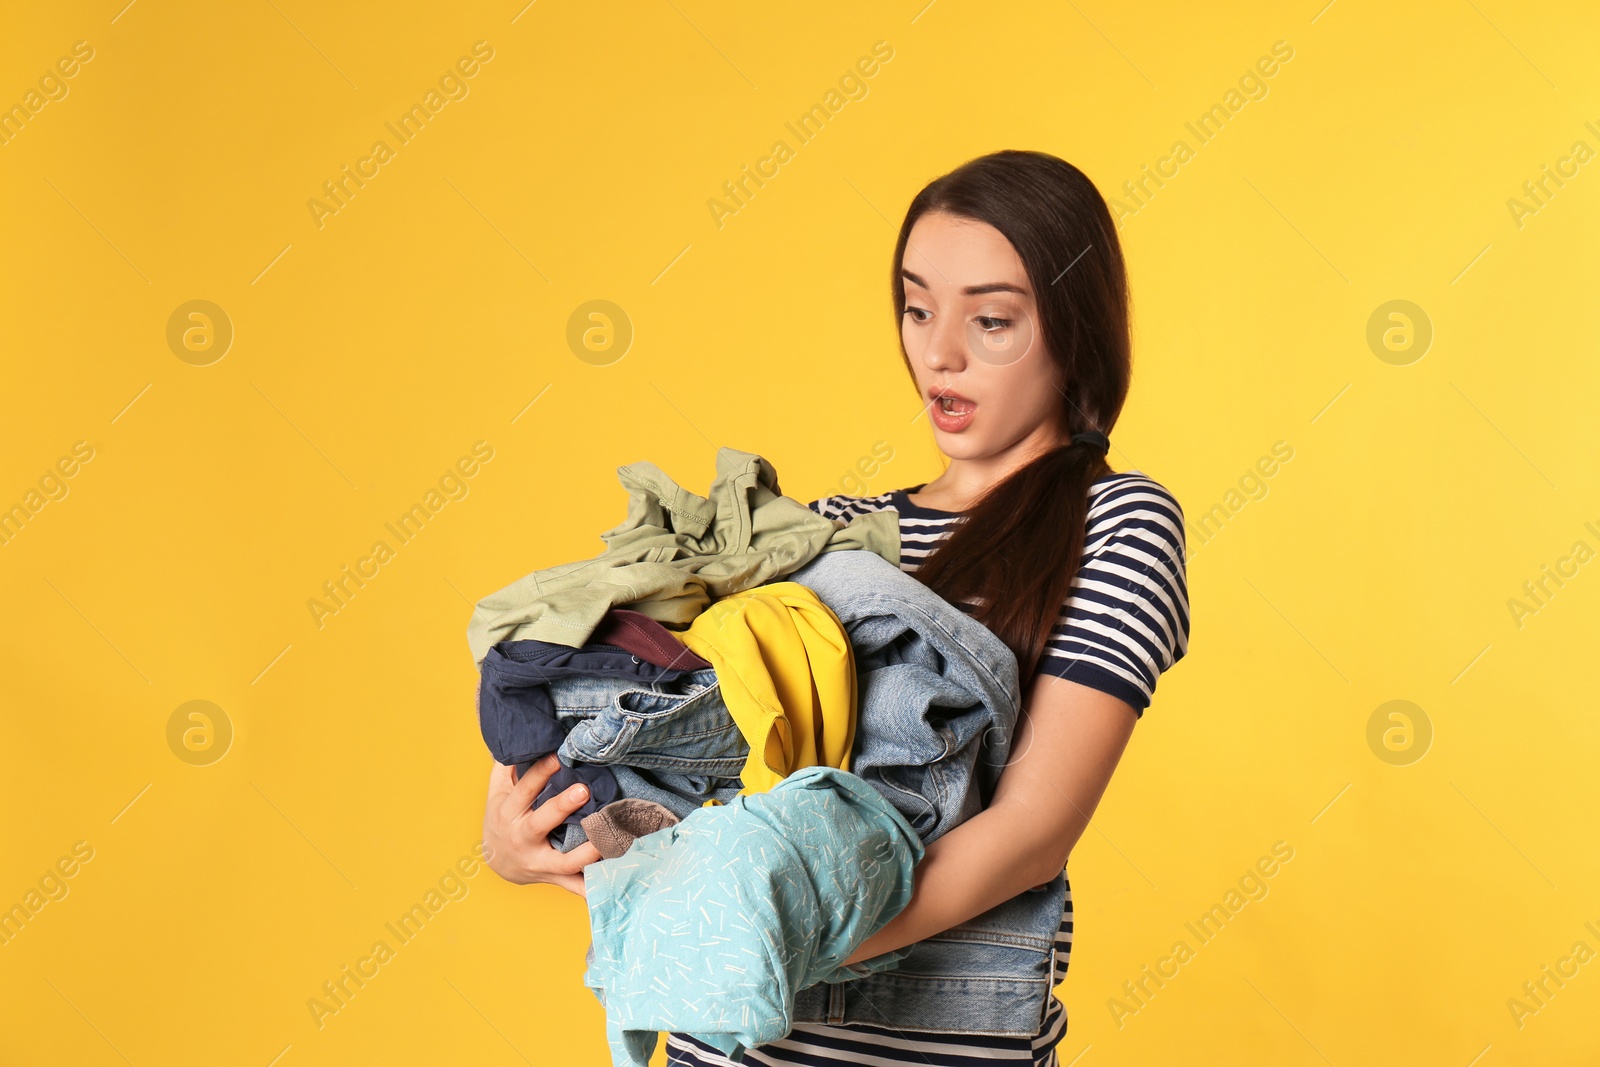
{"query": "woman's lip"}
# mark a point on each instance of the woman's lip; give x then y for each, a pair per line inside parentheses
(938, 394)
(947, 422)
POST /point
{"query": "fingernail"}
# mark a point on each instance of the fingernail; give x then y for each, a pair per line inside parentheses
(577, 792)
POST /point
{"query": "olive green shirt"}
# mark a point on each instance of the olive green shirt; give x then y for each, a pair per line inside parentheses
(675, 553)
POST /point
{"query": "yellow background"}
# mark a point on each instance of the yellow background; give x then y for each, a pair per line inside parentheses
(429, 312)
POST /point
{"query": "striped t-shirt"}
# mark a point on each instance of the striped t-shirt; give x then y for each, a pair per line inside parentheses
(1125, 622)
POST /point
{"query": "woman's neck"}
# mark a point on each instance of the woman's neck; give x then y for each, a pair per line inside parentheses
(964, 481)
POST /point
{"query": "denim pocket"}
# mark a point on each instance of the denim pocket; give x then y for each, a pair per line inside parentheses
(685, 731)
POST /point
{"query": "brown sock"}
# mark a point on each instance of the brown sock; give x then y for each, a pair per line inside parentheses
(615, 826)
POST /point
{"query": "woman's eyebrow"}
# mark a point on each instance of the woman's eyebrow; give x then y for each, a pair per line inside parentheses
(972, 290)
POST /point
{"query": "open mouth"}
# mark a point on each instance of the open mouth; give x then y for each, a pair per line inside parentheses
(951, 412)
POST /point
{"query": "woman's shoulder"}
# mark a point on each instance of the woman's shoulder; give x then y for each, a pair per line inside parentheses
(1126, 620)
(1123, 487)
(1132, 502)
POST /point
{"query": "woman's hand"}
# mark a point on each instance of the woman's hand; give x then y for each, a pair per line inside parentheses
(516, 835)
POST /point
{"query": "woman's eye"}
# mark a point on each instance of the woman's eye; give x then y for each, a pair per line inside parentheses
(990, 323)
(914, 312)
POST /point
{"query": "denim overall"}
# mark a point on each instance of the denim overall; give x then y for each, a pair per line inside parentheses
(990, 975)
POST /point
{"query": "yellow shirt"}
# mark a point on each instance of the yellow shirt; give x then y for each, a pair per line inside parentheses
(788, 677)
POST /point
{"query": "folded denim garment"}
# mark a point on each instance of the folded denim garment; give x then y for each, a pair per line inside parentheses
(675, 744)
(711, 925)
(787, 676)
(518, 717)
(938, 698)
(675, 553)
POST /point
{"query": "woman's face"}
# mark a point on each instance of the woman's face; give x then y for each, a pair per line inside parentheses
(971, 328)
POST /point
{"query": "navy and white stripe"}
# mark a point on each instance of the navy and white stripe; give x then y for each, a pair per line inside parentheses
(1127, 619)
(1125, 622)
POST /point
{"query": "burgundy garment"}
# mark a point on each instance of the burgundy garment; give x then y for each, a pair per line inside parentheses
(638, 633)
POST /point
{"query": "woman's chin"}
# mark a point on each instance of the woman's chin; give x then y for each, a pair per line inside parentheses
(963, 445)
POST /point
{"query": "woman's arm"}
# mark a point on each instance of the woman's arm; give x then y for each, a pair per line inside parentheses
(1069, 738)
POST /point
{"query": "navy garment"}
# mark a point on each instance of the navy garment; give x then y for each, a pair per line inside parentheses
(518, 717)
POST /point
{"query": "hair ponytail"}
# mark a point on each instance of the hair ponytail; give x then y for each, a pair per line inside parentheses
(1014, 554)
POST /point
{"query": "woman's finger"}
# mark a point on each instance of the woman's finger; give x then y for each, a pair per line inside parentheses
(575, 861)
(519, 798)
(573, 883)
(553, 812)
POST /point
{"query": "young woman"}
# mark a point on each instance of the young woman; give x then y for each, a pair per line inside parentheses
(1011, 292)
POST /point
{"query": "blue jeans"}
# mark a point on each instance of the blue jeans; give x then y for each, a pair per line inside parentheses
(519, 718)
(938, 696)
(675, 743)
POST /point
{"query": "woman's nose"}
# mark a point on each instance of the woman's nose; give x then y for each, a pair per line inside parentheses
(946, 349)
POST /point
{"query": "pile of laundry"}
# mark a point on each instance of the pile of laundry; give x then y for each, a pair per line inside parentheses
(773, 721)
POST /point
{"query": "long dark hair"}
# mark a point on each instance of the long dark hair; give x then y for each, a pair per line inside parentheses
(1019, 547)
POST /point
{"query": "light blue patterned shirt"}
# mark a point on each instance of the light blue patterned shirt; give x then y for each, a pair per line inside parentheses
(711, 925)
